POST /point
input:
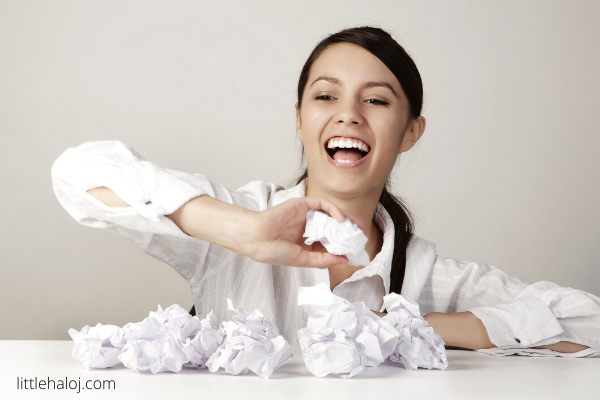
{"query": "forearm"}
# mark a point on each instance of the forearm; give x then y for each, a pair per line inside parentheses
(467, 331)
(460, 330)
(202, 217)
(215, 221)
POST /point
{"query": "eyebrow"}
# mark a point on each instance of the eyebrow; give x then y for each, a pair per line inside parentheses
(369, 84)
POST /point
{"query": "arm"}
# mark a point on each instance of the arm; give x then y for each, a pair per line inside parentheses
(465, 330)
(273, 236)
(220, 221)
(477, 306)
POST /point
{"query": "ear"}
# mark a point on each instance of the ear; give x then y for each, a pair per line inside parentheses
(298, 123)
(413, 133)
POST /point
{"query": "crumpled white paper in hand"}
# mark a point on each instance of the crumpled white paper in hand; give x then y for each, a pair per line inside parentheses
(341, 338)
(252, 343)
(98, 346)
(339, 238)
(170, 339)
(418, 345)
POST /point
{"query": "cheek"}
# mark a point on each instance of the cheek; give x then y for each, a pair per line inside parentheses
(389, 130)
(314, 121)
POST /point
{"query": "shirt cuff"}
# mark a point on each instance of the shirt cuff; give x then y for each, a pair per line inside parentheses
(518, 323)
(589, 352)
(151, 190)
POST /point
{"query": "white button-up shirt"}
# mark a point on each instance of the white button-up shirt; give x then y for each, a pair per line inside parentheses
(517, 315)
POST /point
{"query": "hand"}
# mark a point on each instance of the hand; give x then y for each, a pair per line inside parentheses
(275, 235)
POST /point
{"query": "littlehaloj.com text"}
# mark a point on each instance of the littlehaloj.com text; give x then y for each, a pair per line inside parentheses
(64, 384)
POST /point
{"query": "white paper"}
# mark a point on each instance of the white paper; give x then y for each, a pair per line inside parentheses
(332, 352)
(170, 339)
(205, 343)
(418, 345)
(252, 343)
(341, 338)
(339, 238)
(99, 346)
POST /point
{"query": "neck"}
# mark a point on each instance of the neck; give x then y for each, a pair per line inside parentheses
(362, 207)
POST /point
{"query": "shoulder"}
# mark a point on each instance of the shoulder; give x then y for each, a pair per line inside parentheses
(420, 253)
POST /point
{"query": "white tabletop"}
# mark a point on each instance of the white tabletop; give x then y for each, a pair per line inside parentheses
(470, 375)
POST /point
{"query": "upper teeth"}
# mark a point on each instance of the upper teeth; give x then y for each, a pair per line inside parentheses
(345, 143)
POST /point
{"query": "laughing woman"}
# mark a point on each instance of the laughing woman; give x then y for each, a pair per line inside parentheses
(359, 106)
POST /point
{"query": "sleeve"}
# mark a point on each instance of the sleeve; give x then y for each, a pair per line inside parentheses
(517, 315)
(152, 192)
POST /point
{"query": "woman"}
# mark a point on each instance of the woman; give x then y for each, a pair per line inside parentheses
(359, 103)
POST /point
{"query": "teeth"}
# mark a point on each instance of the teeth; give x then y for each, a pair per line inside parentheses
(344, 143)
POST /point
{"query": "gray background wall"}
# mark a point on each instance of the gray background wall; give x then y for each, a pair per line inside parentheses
(506, 173)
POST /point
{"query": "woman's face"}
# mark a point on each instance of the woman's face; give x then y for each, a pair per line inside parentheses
(353, 121)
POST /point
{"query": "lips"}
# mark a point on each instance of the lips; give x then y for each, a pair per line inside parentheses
(347, 164)
(346, 151)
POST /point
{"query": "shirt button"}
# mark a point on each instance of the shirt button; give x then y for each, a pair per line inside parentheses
(517, 340)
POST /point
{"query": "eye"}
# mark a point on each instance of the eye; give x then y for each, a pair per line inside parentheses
(377, 102)
(324, 97)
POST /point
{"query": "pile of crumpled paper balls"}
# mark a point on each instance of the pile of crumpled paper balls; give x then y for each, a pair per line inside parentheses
(340, 338)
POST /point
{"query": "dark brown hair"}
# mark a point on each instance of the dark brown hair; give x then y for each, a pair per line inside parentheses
(381, 44)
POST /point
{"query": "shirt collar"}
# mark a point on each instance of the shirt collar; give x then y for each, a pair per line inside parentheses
(420, 253)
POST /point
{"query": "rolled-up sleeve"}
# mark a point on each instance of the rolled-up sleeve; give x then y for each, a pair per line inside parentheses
(517, 315)
(152, 192)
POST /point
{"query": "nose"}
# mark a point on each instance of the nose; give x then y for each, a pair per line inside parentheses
(349, 113)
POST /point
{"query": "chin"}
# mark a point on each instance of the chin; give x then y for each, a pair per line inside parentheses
(344, 187)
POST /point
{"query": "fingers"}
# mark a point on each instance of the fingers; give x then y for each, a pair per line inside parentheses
(319, 203)
(316, 259)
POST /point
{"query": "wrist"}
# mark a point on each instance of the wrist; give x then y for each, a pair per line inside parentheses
(240, 231)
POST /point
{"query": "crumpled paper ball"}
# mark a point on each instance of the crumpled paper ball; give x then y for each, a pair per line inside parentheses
(339, 238)
(205, 343)
(252, 343)
(418, 345)
(341, 338)
(168, 340)
(98, 346)
(332, 351)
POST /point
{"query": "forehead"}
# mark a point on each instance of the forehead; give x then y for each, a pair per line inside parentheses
(350, 64)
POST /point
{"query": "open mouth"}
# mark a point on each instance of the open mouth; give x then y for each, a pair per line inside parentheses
(345, 150)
